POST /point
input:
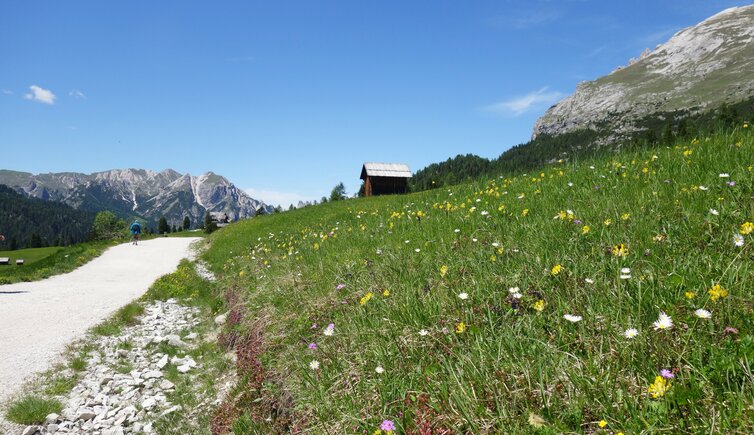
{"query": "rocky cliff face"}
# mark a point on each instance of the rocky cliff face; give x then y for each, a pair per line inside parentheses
(139, 192)
(698, 69)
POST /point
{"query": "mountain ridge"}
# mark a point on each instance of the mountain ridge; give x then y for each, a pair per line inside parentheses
(143, 193)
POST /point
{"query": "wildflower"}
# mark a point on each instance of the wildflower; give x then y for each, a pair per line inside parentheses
(607, 222)
(589, 280)
(602, 423)
(366, 298)
(330, 330)
(717, 292)
(585, 230)
(625, 273)
(572, 318)
(666, 374)
(460, 328)
(705, 188)
(379, 252)
(714, 212)
(631, 333)
(312, 346)
(456, 230)
(314, 365)
(619, 250)
(525, 211)
(738, 240)
(463, 296)
(663, 322)
(689, 295)
(659, 387)
(702, 313)
(556, 269)
(423, 332)
(443, 270)
(746, 228)
(387, 425)
(625, 216)
(724, 175)
(539, 306)
(379, 370)
(659, 238)
(340, 287)
(386, 293)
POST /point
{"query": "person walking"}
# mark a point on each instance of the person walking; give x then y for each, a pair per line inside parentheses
(135, 232)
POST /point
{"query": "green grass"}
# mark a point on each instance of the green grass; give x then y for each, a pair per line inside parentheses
(43, 263)
(125, 316)
(30, 256)
(32, 410)
(486, 363)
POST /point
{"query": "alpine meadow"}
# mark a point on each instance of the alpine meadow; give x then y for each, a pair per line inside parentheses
(607, 295)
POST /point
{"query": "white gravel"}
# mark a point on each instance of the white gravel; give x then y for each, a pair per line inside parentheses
(38, 319)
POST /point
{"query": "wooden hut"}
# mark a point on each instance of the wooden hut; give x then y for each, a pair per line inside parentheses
(385, 178)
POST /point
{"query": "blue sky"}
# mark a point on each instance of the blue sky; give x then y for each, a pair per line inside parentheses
(286, 99)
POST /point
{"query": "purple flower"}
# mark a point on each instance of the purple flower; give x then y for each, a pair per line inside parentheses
(577, 221)
(314, 326)
(387, 425)
(731, 183)
(312, 346)
(667, 374)
(340, 287)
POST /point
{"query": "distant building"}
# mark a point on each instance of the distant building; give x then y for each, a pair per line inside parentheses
(385, 178)
(220, 218)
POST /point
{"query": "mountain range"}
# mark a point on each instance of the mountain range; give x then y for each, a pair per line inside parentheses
(139, 193)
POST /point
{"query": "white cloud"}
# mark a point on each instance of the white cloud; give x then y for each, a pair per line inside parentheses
(7, 92)
(40, 95)
(274, 197)
(77, 94)
(522, 104)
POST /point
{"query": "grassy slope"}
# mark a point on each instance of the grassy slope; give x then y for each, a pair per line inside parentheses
(62, 260)
(31, 255)
(487, 363)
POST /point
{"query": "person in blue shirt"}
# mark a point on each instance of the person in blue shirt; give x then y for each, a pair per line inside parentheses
(135, 232)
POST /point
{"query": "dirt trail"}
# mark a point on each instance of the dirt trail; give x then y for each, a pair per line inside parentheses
(38, 319)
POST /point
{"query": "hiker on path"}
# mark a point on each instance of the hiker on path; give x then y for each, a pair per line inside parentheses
(135, 232)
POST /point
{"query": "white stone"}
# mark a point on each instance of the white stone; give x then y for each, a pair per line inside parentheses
(221, 319)
(52, 418)
(85, 414)
(184, 368)
(162, 362)
(153, 374)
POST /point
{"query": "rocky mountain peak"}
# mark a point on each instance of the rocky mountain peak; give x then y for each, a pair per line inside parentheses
(699, 68)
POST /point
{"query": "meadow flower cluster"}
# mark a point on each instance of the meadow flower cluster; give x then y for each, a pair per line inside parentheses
(612, 294)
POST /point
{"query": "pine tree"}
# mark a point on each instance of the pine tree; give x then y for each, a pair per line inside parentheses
(338, 192)
(186, 223)
(162, 226)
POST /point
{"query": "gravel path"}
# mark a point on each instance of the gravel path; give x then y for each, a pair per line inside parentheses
(38, 319)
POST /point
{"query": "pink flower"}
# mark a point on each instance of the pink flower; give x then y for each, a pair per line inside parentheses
(312, 346)
(340, 287)
(667, 374)
(387, 425)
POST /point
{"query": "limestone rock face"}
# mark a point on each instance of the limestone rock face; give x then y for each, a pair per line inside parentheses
(697, 70)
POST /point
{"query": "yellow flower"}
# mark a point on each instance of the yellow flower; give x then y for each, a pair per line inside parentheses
(607, 222)
(556, 269)
(659, 387)
(746, 228)
(386, 293)
(746, 125)
(689, 295)
(659, 238)
(620, 250)
(539, 306)
(585, 229)
(241, 273)
(525, 212)
(443, 270)
(602, 423)
(625, 216)
(688, 152)
(717, 292)
(460, 328)
(366, 298)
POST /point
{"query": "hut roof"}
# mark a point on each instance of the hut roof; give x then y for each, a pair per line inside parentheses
(399, 170)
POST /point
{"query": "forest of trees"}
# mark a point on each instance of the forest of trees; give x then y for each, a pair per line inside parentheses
(656, 129)
(32, 223)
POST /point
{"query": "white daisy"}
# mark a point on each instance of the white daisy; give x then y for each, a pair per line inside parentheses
(663, 322)
(738, 240)
(625, 273)
(589, 280)
(630, 333)
(463, 296)
(379, 370)
(423, 332)
(314, 365)
(572, 318)
(714, 212)
(513, 290)
(702, 313)
(724, 175)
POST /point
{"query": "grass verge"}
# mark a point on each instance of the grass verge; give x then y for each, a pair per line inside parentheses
(51, 261)
(32, 410)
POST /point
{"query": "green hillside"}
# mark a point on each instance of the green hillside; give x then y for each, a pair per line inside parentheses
(519, 304)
